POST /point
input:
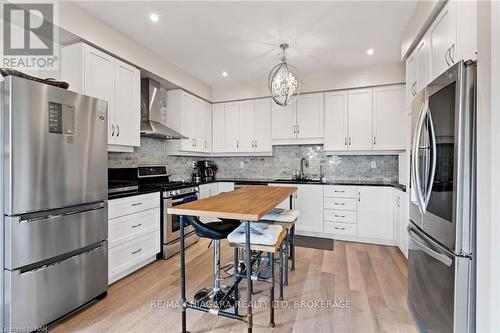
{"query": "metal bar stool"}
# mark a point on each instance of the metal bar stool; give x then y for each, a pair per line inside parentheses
(216, 297)
(286, 218)
(272, 244)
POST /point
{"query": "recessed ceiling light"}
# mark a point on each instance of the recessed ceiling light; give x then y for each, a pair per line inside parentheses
(370, 51)
(154, 17)
(224, 73)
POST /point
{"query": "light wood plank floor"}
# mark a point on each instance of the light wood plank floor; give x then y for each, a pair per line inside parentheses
(371, 278)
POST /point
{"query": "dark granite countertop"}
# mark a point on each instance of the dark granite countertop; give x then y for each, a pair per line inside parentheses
(312, 181)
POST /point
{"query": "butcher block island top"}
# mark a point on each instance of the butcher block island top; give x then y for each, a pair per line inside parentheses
(249, 203)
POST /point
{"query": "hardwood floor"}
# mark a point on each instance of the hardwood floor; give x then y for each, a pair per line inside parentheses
(369, 279)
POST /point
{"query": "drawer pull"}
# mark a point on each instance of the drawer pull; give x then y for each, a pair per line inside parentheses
(136, 251)
(337, 191)
(339, 203)
(339, 228)
(342, 216)
(137, 204)
(136, 225)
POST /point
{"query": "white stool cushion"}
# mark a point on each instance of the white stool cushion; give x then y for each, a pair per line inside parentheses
(260, 234)
(281, 215)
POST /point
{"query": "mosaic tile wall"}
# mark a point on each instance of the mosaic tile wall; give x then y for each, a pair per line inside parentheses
(284, 161)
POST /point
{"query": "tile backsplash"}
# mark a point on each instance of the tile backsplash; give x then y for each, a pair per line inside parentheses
(284, 161)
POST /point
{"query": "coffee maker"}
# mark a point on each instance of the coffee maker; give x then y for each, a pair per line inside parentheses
(203, 171)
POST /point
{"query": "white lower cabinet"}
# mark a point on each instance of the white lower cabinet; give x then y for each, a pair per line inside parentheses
(207, 190)
(308, 200)
(133, 233)
(225, 187)
(401, 217)
(375, 213)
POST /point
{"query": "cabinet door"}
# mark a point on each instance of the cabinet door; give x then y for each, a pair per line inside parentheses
(423, 63)
(360, 119)
(443, 34)
(188, 120)
(207, 190)
(218, 128)
(309, 201)
(411, 78)
(284, 121)
(231, 130)
(375, 211)
(197, 117)
(246, 126)
(336, 121)
(263, 125)
(207, 128)
(128, 105)
(99, 81)
(310, 116)
(389, 118)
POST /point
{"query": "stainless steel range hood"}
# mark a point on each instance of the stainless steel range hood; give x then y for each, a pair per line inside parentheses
(151, 125)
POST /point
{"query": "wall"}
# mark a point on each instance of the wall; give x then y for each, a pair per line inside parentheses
(488, 178)
(331, 80)
(84, 25)
(284, 161)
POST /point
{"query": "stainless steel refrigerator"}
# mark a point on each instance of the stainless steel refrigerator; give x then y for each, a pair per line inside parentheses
(441, 263)
(54, 177)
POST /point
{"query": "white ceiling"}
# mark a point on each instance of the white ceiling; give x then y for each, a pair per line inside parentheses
(242, 38)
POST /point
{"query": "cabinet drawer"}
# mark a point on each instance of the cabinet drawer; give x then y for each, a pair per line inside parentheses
(343, 229)
(128, 227)
(340, 203)
(344, 216)
(340, 191)
(134, 204)
(128, 254)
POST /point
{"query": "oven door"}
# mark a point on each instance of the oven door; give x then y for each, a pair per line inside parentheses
(171, 227)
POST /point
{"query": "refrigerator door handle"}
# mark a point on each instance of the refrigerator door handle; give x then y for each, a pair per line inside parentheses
(416, 148)
(433, 162)
(421, 243)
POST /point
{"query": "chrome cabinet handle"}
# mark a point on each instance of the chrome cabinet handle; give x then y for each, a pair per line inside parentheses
(137, 204)
(117, 130)
(136, 251)
(136, 225)
(298, 129)
(342, 216)
(294, 129)
(374, 140)
(112, 130)
(349, 141)
(253, 143)
(237, 144)
(452, 53)
(359, 196)
(339, 191)
(339, 228)
(345, 141)
(339, 203)
(205, 144)
(446, 57)
(256, 145)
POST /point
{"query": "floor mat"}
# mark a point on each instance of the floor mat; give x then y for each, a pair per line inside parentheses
(314, 242)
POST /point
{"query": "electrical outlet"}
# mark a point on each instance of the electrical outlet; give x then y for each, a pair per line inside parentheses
(373, 164)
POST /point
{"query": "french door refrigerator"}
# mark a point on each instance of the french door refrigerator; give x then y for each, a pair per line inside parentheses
(441, 278)
(54, 213)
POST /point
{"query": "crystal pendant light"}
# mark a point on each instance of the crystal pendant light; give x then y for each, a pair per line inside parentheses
(284, 83)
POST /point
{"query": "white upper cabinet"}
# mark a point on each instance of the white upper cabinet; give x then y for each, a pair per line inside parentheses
(360, 119)
(247, 127)
(310, 116)
(232, 119)
(94, 73)
(389, 118)
(300, 122)
(263, 125)
(443, 36)
(218, 128)
(375, 209)
(423, 63)
(191, 117)
(284, 121)
(411, 77)
(336, 121)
